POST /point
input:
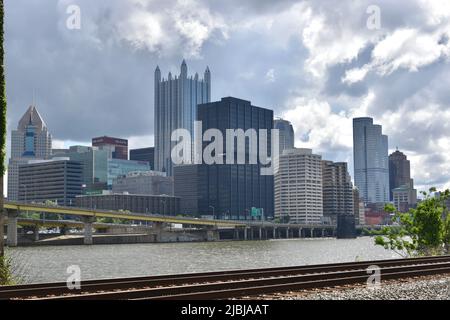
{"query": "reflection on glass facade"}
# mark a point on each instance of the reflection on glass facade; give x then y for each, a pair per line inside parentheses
(119, 167)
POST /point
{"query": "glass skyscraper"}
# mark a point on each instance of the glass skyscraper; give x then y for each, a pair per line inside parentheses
(228, 190)
(286, 134)
(371, 165)
(176, 101)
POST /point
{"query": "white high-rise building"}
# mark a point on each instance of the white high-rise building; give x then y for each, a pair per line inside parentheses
(30, 141)
(371, 162)
(176, 101)
(298, 187)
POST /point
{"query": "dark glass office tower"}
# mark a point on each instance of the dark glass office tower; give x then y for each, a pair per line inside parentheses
(228, 190)
(144, 154)
(399, 171)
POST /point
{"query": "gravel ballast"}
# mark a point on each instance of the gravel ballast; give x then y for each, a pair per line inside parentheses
(424, 288)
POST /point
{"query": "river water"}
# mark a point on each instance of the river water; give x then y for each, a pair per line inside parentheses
(48, 264)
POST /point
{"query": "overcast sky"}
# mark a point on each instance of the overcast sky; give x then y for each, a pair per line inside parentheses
(316, 63)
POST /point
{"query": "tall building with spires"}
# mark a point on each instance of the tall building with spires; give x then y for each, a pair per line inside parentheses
(176, 100)
(30, 141)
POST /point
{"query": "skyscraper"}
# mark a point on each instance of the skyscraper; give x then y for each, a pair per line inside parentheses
(230, 190)
(298, 187)
(286, 134)
(370, 156)
(30, 141)
(337, 190)
(399, 171)
(176, 101)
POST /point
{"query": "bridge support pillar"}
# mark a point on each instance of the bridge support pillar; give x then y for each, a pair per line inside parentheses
(212, 234)
(236, 234)
(287, 233)
(274, 233)
(260, 233)
(299, 232)
(88, 221)
(157, 228)
(323, 233)
(12, 228)
(36, 233)
(312, 232)
(245, 233)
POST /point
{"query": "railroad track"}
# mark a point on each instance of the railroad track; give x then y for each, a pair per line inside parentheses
(231, 284)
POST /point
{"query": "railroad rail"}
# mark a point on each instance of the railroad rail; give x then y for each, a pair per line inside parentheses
(231, 284)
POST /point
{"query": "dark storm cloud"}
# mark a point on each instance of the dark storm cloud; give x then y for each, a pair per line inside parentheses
(286, 55)
(334, 85)
(83, 87)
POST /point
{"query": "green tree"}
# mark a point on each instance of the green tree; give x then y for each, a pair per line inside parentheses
(424, 230)
(2, 133)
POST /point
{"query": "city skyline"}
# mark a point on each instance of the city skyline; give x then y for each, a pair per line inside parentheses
(321, 112)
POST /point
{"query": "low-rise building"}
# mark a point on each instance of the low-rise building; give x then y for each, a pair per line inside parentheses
(143, 204)
(145, 183)
(404, 197)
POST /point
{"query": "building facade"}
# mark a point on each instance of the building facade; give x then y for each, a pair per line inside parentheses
(286, 134)
(143, 204)
(404, 197)
(116, 147)
(144, 154)
(298, 187)
(399, 172)
(57, 180)
(176, 100)
(370, 155)
(117, 167)
(94, 164)
(229, 189)
(359, 210)
(31, 140)
(145, 183)
(337, 191)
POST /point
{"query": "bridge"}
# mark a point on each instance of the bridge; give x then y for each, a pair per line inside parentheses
(242, 229)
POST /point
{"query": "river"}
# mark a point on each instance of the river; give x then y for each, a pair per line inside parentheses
(49, 264)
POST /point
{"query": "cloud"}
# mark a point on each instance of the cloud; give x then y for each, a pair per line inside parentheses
(313, 63)
(270, 75)
(317, 127)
